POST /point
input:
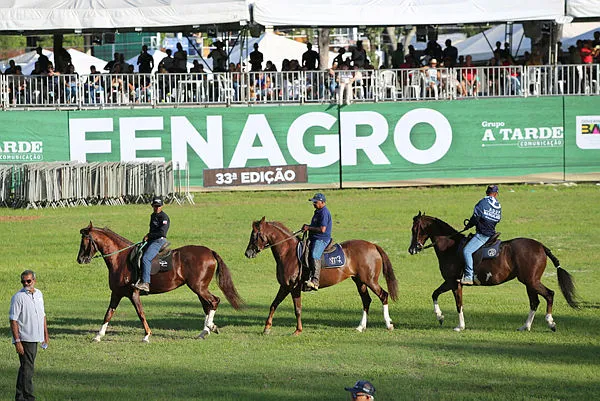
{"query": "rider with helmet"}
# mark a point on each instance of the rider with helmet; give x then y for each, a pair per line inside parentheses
(486, 214)
(362, 390)
(156, 238)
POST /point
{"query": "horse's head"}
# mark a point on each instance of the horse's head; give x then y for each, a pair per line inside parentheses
(258, 240)
(88, 247)
(419, 234)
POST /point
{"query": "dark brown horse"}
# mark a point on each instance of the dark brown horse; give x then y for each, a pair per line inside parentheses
(192, 265)
(521, 258)
(364, 263)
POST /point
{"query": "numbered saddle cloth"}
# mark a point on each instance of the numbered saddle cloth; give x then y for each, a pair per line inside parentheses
(333, 256)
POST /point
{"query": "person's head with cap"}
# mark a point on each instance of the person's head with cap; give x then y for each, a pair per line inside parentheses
(492, 190)
(318, 200)
(157, 202)
(362, 390)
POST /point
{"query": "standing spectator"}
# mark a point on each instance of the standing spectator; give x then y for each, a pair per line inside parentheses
(498, 51)
(398, 56)
(450, 52)
(339, 59)
(145, 61)
(11, 68)
(124, 65)
(359, 55)
(28, 326)
(110, 65)
(256, 59)
(310, 58)
(219, 57)
(345, 81)
(167, 62)
(180, 59)
(43, 60)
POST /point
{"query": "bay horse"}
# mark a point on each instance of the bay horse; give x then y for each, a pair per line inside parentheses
(364, 262)
(521, 258)
(192, 265)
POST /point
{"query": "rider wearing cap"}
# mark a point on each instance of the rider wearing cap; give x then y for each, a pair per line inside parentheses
(362, 391)
(319, 234)
(156, 238)
(486, 215)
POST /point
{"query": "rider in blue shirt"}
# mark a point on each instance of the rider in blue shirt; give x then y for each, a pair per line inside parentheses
(319, 234)
(486, 214)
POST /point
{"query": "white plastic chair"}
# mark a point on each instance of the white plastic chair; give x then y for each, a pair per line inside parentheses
(413, 88)
(387, 82)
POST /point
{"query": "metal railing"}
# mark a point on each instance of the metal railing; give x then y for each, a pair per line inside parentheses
(341, 86)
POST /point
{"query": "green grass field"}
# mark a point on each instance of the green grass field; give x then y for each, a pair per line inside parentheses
(419, 360)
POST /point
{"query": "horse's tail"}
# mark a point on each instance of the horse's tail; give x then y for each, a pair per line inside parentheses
(226, 283)
(388, 273)
(565, 281)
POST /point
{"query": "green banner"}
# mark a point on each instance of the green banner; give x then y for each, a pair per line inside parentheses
(582, 128)
(399, 143)
(431, 142)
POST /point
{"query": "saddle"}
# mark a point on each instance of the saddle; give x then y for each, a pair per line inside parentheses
(332, 258)
(489, 250)
(163, 262)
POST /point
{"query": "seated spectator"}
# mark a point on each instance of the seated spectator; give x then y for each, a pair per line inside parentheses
(339, 59)
(70, 80)
(511, 73)
(333, 81)
(109, 66)
(270, 66)
(11, 68)
(432, 77)
(470, 80)
(94, 85)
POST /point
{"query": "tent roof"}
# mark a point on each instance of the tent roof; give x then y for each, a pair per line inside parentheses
(583, 8)
(68, 15)
(402, 12)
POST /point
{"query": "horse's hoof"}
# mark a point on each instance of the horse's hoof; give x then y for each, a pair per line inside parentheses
(145, 340)
(267, 331)
(553, 328)
(96, 339)
(361, 329)
(215, 329)
(441, 320)
(458, 328)
(204, 334)
(524, 328)
(297, 333)
(391, 327)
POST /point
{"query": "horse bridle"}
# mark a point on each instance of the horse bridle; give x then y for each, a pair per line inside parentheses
(97, 250)
(264, 239)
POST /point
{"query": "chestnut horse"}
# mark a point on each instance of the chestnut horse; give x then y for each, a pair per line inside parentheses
(192, 265)
(364, 263)
(521, 258)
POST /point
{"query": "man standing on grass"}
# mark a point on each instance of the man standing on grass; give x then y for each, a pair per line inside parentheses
(28, 326)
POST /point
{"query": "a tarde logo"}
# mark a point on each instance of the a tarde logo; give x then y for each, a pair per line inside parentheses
(496, 133)
(21, 151)
(588, 132)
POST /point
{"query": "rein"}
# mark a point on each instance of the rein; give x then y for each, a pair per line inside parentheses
(449, 236)
(283, 240)
(115, 252)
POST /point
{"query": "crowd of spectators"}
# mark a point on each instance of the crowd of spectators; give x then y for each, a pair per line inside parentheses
(350, 75)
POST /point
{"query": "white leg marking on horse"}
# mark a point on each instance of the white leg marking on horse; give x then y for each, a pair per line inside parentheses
(461, 321)
(550, 322)
(146, 338)
(528, 322)
(386, 317)
(208, 325)
(363, 323)
(438, 312)
(101, 333)
(488, 276)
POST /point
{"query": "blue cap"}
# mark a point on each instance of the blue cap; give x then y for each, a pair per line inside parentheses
(362, 386)
(318, 197)
(491, 189)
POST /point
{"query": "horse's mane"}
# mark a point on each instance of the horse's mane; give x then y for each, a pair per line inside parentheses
(110, 232)
(443, 225)
(281, 227)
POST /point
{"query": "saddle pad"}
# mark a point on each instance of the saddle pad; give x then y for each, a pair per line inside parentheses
(162, 263)
(329, 260)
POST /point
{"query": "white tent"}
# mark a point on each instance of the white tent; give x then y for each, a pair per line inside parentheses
(275, 48)
(64, 15)
(402, 12)
(80, 60)
(583, 8)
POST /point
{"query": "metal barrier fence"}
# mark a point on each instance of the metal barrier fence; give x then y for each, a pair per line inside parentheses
(69, 184)
(342, 86)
